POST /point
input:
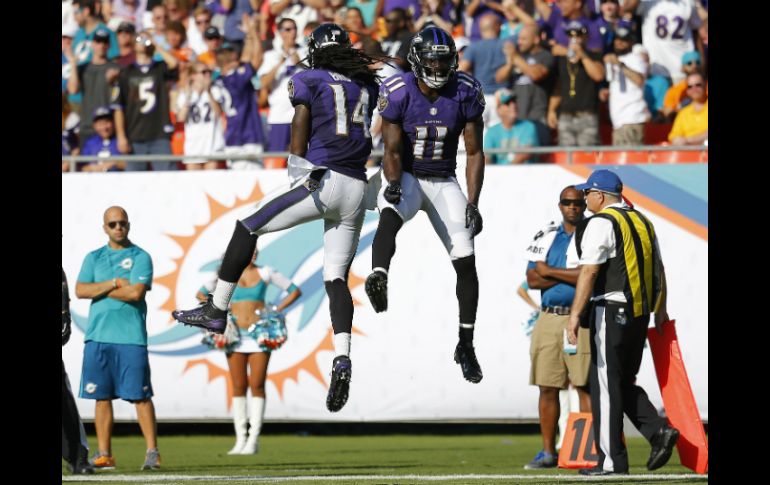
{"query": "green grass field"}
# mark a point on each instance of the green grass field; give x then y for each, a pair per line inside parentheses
(401, 459)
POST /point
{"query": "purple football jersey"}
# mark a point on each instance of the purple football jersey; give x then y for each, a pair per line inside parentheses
(433, 129)
(341, 113)
(236, 94)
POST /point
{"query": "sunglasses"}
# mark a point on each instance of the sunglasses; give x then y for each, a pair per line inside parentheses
(697, 85)
(200, 22)
(392, 21)
(113, 224)
(575, 202)
(692, 63)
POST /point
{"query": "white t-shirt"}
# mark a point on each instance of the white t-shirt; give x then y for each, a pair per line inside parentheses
(281, 109)
(195, 37)
(627, 105)
(667, 29)
(299, 12)
(203, 131)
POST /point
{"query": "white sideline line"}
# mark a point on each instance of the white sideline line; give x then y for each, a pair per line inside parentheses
(151, 477)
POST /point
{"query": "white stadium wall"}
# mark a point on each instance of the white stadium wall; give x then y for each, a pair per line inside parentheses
(403, 366)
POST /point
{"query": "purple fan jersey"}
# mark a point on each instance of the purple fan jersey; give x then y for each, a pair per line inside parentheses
(235, 93)
(433, 129)
(341, 113)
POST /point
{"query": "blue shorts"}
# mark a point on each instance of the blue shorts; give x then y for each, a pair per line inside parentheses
(112, 371)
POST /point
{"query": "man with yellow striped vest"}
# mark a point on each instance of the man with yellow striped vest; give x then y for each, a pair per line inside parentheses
(621, 272)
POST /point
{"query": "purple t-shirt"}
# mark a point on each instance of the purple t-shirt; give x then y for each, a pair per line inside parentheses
(97, 146)
(235, 93)
(557, 23)
(432, 129)
(341, 114)
(414, 5)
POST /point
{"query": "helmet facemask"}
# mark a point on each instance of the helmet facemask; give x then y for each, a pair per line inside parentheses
(433, 64)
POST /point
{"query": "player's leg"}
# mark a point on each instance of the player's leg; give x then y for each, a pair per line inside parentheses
(257, 375)
(74, 441)
(283, 208)
(445, 204)
(341, 235)
(392, 218)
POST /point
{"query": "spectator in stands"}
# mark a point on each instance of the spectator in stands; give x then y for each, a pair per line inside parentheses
(396, 43)
(434, 12)
(691, 126)
(510, 133)
(610, 14)
(478, 9)
(515, 19)
(626, 71)
(69, 131)
(359, 32)
(235, 10)
(103, 143)
(655, 87)
(278, 67)
(331, 11)
(94, 79)
(677, 96)
(116, 277)
(530, 70)
(176, 37)
(179, 11)
(67, 34)
(558, 19)
(89, 23)
(202, 21)
(235, 93)
(576, 93)
(411, 7)
(301, 11)
(142, 115)
(368, 9)
(126, 39)
(668, 32)
(213, 42)
(202, 118)
(115, 12)
(483, 58)
(158, 30)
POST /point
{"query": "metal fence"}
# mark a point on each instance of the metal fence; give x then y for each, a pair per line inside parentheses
(559, 154)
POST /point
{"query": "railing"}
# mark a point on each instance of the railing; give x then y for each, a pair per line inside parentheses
(556, 154)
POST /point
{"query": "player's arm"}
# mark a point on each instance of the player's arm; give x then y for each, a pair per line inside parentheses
(391, 160)
(300, 130)
(474, 171)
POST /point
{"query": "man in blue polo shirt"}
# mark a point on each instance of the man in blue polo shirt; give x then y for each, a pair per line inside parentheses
(555, 365)
(116, 278)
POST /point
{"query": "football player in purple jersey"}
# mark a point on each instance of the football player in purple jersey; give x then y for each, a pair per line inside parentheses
(330, 143)
(423, 114)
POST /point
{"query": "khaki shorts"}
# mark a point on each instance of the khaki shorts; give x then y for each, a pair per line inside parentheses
(551, 367)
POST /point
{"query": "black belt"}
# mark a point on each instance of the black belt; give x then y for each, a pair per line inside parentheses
(557, 310)
(425, 175)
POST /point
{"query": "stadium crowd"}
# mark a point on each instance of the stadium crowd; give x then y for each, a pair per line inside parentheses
(195, 77)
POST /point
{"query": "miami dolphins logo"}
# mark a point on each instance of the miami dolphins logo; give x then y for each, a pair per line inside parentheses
(294, 253)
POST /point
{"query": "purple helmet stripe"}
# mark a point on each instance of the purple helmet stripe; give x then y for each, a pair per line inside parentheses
(435, 36)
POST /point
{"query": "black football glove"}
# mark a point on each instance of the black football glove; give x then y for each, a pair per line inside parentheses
(473, 220)
(393, 192)
(66, 327)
